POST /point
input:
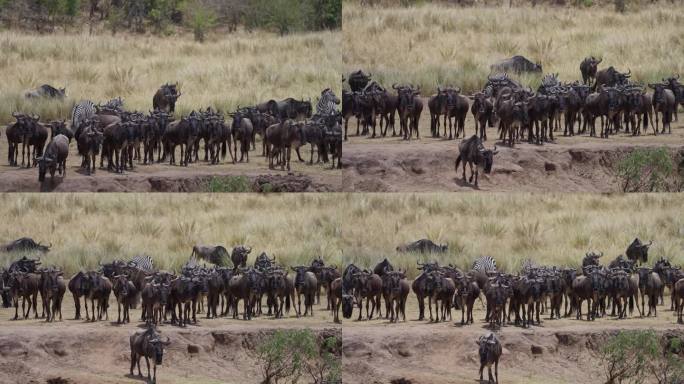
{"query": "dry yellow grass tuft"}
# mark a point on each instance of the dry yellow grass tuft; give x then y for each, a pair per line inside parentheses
(550, 229)
(436, 44)
(239, 68)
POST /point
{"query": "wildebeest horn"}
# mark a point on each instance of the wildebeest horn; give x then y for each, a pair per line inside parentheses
(600, 60)
(394, 86)
(33, 116)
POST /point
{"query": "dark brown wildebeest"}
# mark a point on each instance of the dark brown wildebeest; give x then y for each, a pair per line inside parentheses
(457, 108)
(305, 283)
(280, 292)
(32, 134)
(482, 110)
(79, 286)
(369, 286)
(89, 143)
(239, 256)
(610, 77)
(490, 352)
(100, 289)
(497, 295)
(52, 288)
(125, 293)
(25, 244)
(58, 127)
(155, 298)
(467, 291)
(638, 251)
(25, 286)
(418, 286)
(242, 130)
(46, 91)
(114, 140)
(183, 133)
(244, 287)
(591, 258)
(640, 110)
(513, 117)
(215, 254)
(281, 138)
(383, 267)
(395, 290)
(147, 344)
(325, 278)
(437, 105)
(649, 285)
(54, 158)
(14, 138)
(663, 103)
(335, 295)
(410, 108)
(588, 67)
(473, 152)
(423, 246)
(358, 80)
(622, 263)
(183, 294)
(516, 64)
(678, 90)
(678, 298)
(166, 97)
(440, 289)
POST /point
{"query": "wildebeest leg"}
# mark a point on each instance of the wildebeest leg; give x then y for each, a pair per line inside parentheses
(299, 157)
(421, 306)
(481, 369)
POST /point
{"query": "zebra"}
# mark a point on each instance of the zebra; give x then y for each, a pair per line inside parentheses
(84, 110)
(484, 264)
(326, 103)
(142, 262)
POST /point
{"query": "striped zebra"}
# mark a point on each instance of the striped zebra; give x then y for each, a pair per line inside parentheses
(84, 110)
(326, 103)
(484, 264)
(142, 262)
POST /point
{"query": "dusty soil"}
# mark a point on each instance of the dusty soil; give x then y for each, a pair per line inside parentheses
(558, 351)
(162, 177)
(213, 351)
(569, 164)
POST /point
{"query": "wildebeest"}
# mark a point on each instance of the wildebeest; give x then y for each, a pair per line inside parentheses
(24, 286)
(25, 244)
(125, 293)
(588, 67)
(395, 291)
(516, 64)
(383, 267)
(663, 103)
(149, 345)
(52, 288)
(482, 110)
(305, 283)
(335, 298)
(242, 130)
(423, 246)
(358, 80)
(419, 286)
(166, 97)
(457, 108)
(28, 132)
(215, 254)
(437, 105)
(183, 133)
(155, 298)
(649, 285)
(244, 287)
(473, 152)
(239, 255)
(281, 138)
(100, 289)
(638, 251)
(678, 297)
(368, 285)
(409, 108)
(610, 77)
(490, 352)
(54, 158)
(46, 91)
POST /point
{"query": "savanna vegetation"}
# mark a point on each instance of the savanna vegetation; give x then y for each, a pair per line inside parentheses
(241, 68)
(553, 229)
(428, 43)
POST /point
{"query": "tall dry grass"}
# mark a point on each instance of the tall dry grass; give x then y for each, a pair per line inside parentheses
(240, 68)
(361, 228)
(433, 44)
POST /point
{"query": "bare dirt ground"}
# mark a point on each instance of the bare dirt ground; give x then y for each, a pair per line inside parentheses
(213, 351)
(569, 164)
(558, 351)
(162, 177)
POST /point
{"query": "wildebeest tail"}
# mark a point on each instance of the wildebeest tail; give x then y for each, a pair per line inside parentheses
(458, 161)
(631, 304)
(223, 150)
(287, 303)
(135, 301)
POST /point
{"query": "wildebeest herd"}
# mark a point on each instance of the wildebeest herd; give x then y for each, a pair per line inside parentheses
(519, 112)
(519, 299)
(125, 137)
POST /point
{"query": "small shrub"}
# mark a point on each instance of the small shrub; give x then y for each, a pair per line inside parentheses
(627, 355)
(229, 184)
(647, 170)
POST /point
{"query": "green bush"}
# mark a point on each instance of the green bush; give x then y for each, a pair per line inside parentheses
(647, 170)
(229, 184)
(201, 19)
(628, 354)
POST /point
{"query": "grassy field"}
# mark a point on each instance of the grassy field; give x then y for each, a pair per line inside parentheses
(240, 68)
(435, 44)
(551, 228)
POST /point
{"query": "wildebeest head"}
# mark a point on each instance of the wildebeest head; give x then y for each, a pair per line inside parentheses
(638, 251)
(619, 281)
(591, 258)
(488, 160)
(348, 302)
(317, 264)
(45, 163)
(156, 344)
(383, 267)
(406, 94)
(300, 275)
(427, 266)
(658, 93)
